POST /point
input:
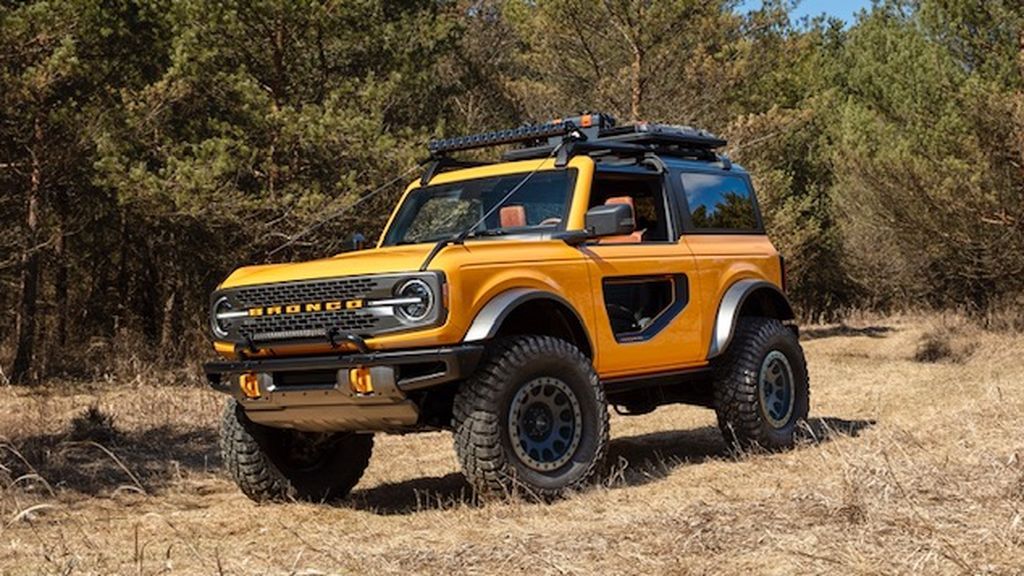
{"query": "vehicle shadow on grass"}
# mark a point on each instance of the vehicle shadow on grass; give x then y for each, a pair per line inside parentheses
(149, 460)
(109, 461)
(646, 458)
(816, 333)
(635, 461)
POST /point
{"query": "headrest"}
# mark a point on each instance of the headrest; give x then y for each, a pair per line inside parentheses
(512, 216)
(628, 200)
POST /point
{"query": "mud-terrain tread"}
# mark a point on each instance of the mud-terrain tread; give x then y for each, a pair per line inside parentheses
(735, 390)
(263, 481)
(477, 421)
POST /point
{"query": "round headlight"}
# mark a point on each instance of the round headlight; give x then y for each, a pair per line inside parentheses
(220, 317)
(418, 300)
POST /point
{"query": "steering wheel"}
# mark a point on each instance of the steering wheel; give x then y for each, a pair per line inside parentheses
(623, 319)
(550, 222)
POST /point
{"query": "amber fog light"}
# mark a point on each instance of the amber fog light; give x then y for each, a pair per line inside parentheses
(249, 383)
(360, 381)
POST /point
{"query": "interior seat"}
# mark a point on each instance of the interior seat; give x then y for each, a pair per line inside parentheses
(513, 216)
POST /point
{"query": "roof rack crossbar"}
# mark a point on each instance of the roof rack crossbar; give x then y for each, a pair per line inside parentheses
(615, 148)
(587, 146)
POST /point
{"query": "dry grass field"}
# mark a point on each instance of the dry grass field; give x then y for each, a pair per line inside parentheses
(909, 466)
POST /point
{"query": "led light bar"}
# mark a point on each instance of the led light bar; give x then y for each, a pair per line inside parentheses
(590, 125)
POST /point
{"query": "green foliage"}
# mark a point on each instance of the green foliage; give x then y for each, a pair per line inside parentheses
(786, 145)
(674, 60)
(276, 112)
(926, 173)
(163, 142)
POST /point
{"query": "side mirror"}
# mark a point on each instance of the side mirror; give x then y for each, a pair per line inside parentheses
(358, 241)
(610, 220)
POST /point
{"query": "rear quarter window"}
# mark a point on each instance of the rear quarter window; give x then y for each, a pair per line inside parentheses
(720, 203)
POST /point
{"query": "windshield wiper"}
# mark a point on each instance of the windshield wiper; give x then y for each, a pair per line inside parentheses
(438, 246)
(458, 239)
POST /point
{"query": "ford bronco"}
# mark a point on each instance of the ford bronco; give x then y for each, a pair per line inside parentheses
(511, 303)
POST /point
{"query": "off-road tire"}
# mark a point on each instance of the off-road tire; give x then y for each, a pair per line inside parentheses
(483, 439)
(741, 416)
(255, 457)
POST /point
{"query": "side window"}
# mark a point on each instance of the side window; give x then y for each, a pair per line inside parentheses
(634, 304)
(720, 202)
(645, 194)
(640, 307)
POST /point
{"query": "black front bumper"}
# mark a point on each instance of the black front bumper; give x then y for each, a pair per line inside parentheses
(415, 369)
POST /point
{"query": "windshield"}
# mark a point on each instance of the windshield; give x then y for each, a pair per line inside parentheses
(433, 213)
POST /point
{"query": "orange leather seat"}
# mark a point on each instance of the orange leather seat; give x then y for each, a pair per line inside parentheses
(636, 237)
(512, 216)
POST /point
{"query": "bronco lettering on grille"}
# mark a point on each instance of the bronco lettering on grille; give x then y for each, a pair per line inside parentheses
(329, 305)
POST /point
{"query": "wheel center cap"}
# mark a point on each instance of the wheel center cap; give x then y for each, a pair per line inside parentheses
(537, 421)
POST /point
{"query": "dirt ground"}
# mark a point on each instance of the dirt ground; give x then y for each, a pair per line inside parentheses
(910, 467)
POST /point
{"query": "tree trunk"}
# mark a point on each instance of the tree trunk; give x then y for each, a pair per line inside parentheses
(146, 295)
(169, 338)
(1020, 54)
(636, 88)
(60, 281)
(121, 290)
(167, 334)
(630, 29)
(22, 371)
(1020, 97)
(278, 96)
(636, 92)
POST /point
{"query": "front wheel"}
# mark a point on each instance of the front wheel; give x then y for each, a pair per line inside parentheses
(761, 385)
(283, 464)
(533, 418)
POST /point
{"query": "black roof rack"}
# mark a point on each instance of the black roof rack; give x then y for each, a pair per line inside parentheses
(595, 134)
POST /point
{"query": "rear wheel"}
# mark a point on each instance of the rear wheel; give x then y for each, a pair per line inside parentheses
(283, 464)
(533, 418)
(761, 385)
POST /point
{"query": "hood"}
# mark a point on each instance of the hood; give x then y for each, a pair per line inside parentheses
(372, 261)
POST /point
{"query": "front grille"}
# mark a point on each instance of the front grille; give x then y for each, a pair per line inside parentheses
(314, 291)
(365, 321)
(313, 324)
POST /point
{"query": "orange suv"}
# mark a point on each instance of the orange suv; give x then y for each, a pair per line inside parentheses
(512, 303)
